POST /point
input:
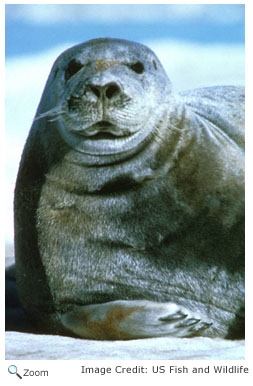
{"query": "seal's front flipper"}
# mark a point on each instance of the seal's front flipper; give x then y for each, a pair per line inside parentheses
(132, 319)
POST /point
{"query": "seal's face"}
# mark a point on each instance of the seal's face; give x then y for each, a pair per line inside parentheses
(108, 102)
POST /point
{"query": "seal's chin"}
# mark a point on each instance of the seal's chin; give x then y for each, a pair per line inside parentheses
(104, 139)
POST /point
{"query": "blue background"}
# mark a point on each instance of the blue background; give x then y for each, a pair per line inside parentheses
(24, 35)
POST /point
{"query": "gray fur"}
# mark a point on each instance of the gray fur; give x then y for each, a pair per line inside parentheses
(145, 210)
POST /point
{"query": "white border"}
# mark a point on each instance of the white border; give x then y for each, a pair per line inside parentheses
(70, 370)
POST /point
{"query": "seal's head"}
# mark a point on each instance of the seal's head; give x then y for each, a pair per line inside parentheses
(105, 98)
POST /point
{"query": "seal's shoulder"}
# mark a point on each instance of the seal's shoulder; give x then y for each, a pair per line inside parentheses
(215, 94)
(223, 106)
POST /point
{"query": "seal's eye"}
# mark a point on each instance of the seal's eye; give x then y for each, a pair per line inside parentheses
(73, 67)
(137, 67)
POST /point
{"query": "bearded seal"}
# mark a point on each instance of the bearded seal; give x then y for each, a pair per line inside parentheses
(129, 201)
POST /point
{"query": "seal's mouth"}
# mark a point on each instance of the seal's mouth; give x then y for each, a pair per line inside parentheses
(104, 125)
(104, 138)
(104, 130)
(100, 136)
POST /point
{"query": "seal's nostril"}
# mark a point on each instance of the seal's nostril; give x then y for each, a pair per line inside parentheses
(95, 90)
(112, 90)
(109, 91)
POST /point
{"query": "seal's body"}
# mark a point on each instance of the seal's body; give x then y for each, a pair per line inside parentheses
(129, 214)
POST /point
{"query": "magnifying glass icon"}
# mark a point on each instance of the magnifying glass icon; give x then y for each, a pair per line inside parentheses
(13, 370)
